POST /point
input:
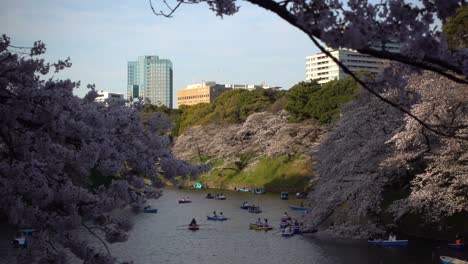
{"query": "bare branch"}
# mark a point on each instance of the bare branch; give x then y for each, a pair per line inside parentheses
(94, 234)
(161, 13)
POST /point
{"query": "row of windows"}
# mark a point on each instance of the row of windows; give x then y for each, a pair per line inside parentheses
(193, 96)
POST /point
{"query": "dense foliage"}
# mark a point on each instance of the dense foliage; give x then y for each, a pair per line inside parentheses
(322, 103)
(57, 150)
(456, 29)
(230, 107)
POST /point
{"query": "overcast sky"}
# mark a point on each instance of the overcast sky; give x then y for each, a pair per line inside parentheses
(100, 36)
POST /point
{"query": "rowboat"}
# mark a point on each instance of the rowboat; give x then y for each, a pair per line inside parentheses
(150, 211)
(287, 234)
(284, 196)
(245, 207)
(450, 260)
(193, 227)
(387, 243)
(258, 191)
(297, 229)
(297, 208)
(209, 196)
(220, 197)
(216, 218)
(243, 190)
(260, 227)
(456, 246)
(254, 209)
(184, 201)
(301, 195)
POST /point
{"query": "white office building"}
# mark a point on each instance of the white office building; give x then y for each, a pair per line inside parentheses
(323, 69)
(108, 97)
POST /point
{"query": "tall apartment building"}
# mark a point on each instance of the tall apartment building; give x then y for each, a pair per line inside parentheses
(323, 69)
(152, 78)
(205, 92)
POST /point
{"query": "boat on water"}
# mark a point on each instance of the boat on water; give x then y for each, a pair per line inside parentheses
(150, 211)
(21, 238)
(185, 200)
(243, 190)
(284, 196)
(254, 209)
(260, 227)
(287, 233)
(209, 196)
(301, 195)
(458, 246)
(258, 191)
(220, 197)
(194, 227)
(216, 218)
(297, 208)
(450, 260)
(297, 229)
(245, 207)
(387, 243)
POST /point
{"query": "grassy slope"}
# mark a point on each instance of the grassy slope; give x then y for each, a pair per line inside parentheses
(274, 174)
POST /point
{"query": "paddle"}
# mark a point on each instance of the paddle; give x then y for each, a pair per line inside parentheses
(197, 225)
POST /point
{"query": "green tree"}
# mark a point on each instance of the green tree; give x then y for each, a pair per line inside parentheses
(456, 29)
(298, 96)
(324, 105)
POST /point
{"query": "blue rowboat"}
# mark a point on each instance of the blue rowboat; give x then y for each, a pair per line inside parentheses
(386, 243)
(216, 218)
(450, 260)
(456, 246)
(245, 207)
(297, 230)
(297, 208)
(150, 211)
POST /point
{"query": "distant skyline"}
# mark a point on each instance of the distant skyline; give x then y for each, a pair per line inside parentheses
(100, 37)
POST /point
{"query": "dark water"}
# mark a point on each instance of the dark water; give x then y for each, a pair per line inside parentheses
(161, 238)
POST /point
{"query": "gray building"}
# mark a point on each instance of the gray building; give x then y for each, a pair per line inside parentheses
(151, 78)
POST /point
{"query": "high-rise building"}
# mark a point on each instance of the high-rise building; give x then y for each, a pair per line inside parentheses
(151, 78)
(323, 69)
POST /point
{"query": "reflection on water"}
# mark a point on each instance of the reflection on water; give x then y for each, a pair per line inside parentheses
(163, 238)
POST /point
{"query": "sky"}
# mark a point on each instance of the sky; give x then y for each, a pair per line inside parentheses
(101, 36)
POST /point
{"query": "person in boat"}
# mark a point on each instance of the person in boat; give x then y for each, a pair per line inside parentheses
(259, 222)
(221, 215)
(458, 239)
(391, 237)
(214, 214)
(296, 223)
(147, 207)
(266, 223)
(208, 195)
(193, 223)
(302, 204)
(285, 217)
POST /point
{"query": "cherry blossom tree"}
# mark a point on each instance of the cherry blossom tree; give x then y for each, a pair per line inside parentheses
(348, 191)
(67, 163)
(439, 188)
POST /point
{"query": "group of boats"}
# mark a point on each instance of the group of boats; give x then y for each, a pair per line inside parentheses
(254, 191)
